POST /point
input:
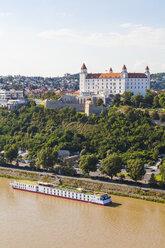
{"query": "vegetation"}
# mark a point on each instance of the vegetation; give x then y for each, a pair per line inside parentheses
(136, 169)
(99, 102)
(50, 96)
(153, 181)
(47, 157)
(151, 100)
(162, 171)
(159, 81)
(114, 136)
(88, 163)
(11, 152)
(112, 165)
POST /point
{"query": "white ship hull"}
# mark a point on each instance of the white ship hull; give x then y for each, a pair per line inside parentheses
(41, 188)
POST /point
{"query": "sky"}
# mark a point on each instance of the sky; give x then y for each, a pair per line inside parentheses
(53, 37)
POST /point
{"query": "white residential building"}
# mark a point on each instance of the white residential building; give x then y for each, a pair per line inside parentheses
(113, 83)
(11, 94)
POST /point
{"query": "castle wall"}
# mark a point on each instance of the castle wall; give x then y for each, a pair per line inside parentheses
(89, 108)
(60, 105)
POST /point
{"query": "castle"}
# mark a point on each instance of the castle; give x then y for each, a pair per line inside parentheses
(111, 83)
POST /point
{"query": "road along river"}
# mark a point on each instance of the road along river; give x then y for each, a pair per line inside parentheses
(31, 220)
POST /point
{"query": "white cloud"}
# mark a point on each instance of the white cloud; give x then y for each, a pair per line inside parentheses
(63, 14)
(138, 36)
(5, 14)
(129, 25)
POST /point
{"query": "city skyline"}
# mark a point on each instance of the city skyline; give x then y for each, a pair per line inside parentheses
(48, 38)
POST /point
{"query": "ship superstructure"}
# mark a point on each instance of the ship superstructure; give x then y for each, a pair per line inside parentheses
(59, 191)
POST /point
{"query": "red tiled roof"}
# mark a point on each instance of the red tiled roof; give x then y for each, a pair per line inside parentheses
(124, 67)
(114, 75)
(137, 75)
(110, 75)
(103, 75)
(93, 75)
(147, 68)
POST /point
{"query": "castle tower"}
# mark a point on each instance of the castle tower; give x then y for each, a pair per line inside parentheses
(124, 73)
(110, 70)
(147, 71)
(83, 75)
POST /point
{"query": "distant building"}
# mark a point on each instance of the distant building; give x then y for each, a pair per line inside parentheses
(11, 99)
(113, 83)
(11, 94)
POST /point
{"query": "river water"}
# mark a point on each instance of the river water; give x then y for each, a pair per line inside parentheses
(30, 220)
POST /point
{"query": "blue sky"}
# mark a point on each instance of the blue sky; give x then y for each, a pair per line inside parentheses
(52, 37)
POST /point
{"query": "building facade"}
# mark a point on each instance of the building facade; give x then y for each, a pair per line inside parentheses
(11, 94)
(112, 83)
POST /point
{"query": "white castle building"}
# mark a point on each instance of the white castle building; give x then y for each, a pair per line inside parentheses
(113, 83)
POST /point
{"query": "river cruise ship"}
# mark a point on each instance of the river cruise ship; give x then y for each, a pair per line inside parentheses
(60, 191)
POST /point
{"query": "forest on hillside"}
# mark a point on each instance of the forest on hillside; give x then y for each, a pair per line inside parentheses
(131, 133)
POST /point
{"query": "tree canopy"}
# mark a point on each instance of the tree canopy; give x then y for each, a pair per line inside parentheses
(88, 163)
(136, 169)
(112, 165)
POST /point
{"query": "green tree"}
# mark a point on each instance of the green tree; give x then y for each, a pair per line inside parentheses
(152, 181)
(127, 97)
(11, 152)
(137, 100)
(47, 157)
(88, 163)
(162, 100)
(112, 165)
(162, 117)
(99, 102)
(162, 171)
(135, 169)
(154, 115)
(83, 152)
(116, 100)
(156, 102)
(155, 154)
(149, 97)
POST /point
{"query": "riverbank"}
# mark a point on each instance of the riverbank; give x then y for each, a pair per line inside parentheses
(88, 184)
